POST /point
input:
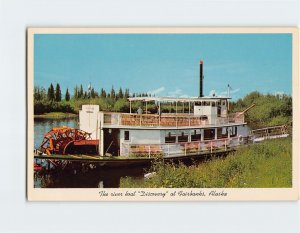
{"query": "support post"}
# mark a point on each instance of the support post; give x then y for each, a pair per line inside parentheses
(140, 119)
(159, 113)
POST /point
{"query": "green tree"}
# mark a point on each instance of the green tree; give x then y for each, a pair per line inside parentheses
(40, 93)
(93, 95)
(80, 95)
(103, 93)
(57, 93)
(120, 94)
(50, 94)
(112, 93)
(76, 93)
(67, 96)
(126, 95)
(121, 105)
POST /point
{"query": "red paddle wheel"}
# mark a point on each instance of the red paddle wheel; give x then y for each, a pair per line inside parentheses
(66, 140)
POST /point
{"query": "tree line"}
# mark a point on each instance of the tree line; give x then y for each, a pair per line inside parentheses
(52, 100)
(269, 110)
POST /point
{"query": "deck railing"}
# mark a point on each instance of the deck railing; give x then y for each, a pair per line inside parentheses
(269, 132)
(170, 120)
(181, 149)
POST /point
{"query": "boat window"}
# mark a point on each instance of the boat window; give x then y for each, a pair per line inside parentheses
(213, 104)
(219, 111)
(203, 118)
(183, 137)
(126, 135)
(170, 138)
(222, 133)
(233, 131)
(209, 134)
(223, 102)
(196, 135)
(198, 103)
(219, 103)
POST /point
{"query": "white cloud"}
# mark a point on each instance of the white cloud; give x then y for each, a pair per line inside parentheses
(212, 92)
(279, 93)
(224, 93)
(177, 93)
(156, 91)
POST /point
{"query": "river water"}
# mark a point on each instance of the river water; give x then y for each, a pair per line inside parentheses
(100, 177)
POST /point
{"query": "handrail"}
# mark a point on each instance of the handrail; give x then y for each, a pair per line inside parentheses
(176, 120)
(179, 149)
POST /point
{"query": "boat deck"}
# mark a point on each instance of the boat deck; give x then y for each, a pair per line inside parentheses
(167, 120)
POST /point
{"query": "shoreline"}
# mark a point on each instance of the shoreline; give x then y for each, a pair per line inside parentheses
(55, 115)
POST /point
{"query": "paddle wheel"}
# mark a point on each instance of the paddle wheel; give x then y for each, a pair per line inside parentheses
(65, 140)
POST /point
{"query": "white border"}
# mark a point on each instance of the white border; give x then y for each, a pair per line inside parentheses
(86, 194)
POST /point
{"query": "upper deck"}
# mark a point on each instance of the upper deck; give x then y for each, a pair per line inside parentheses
(186, 113)
(189, 112)
(167, 120)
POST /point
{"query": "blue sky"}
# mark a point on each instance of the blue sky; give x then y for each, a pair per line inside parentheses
(166, 64)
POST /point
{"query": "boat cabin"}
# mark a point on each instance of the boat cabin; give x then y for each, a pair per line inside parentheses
(163, 126)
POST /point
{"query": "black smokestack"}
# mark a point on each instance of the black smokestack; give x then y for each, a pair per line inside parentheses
(201, 79)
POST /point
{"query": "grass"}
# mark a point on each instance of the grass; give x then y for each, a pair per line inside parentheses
(56, 115)
(264, 165)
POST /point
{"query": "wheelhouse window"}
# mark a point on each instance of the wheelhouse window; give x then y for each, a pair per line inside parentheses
(196, 135)
(206, 103)
(209, 134)
(183, 137)
(170, 138)
(222, 133)
(126, 135)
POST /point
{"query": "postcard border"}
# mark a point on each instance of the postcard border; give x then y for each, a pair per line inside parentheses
(238, 194)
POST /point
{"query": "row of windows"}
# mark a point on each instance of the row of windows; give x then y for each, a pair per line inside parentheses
(210, 103)
(208, 134)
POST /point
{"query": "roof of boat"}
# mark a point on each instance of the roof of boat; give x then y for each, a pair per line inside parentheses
(178, 99)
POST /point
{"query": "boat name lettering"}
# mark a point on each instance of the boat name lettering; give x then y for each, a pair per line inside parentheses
(152, 194)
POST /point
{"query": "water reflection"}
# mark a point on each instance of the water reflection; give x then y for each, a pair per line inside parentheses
(99, 178)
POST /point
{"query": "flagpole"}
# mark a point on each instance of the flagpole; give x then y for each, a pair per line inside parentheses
(228, 90)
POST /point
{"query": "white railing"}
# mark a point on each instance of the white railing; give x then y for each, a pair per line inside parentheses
(180, 149)
(165, 120)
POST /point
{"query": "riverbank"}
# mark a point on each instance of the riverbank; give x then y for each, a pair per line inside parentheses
(264, 165)
(55, 115)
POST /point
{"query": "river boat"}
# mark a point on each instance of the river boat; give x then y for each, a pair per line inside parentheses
(192, 127)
